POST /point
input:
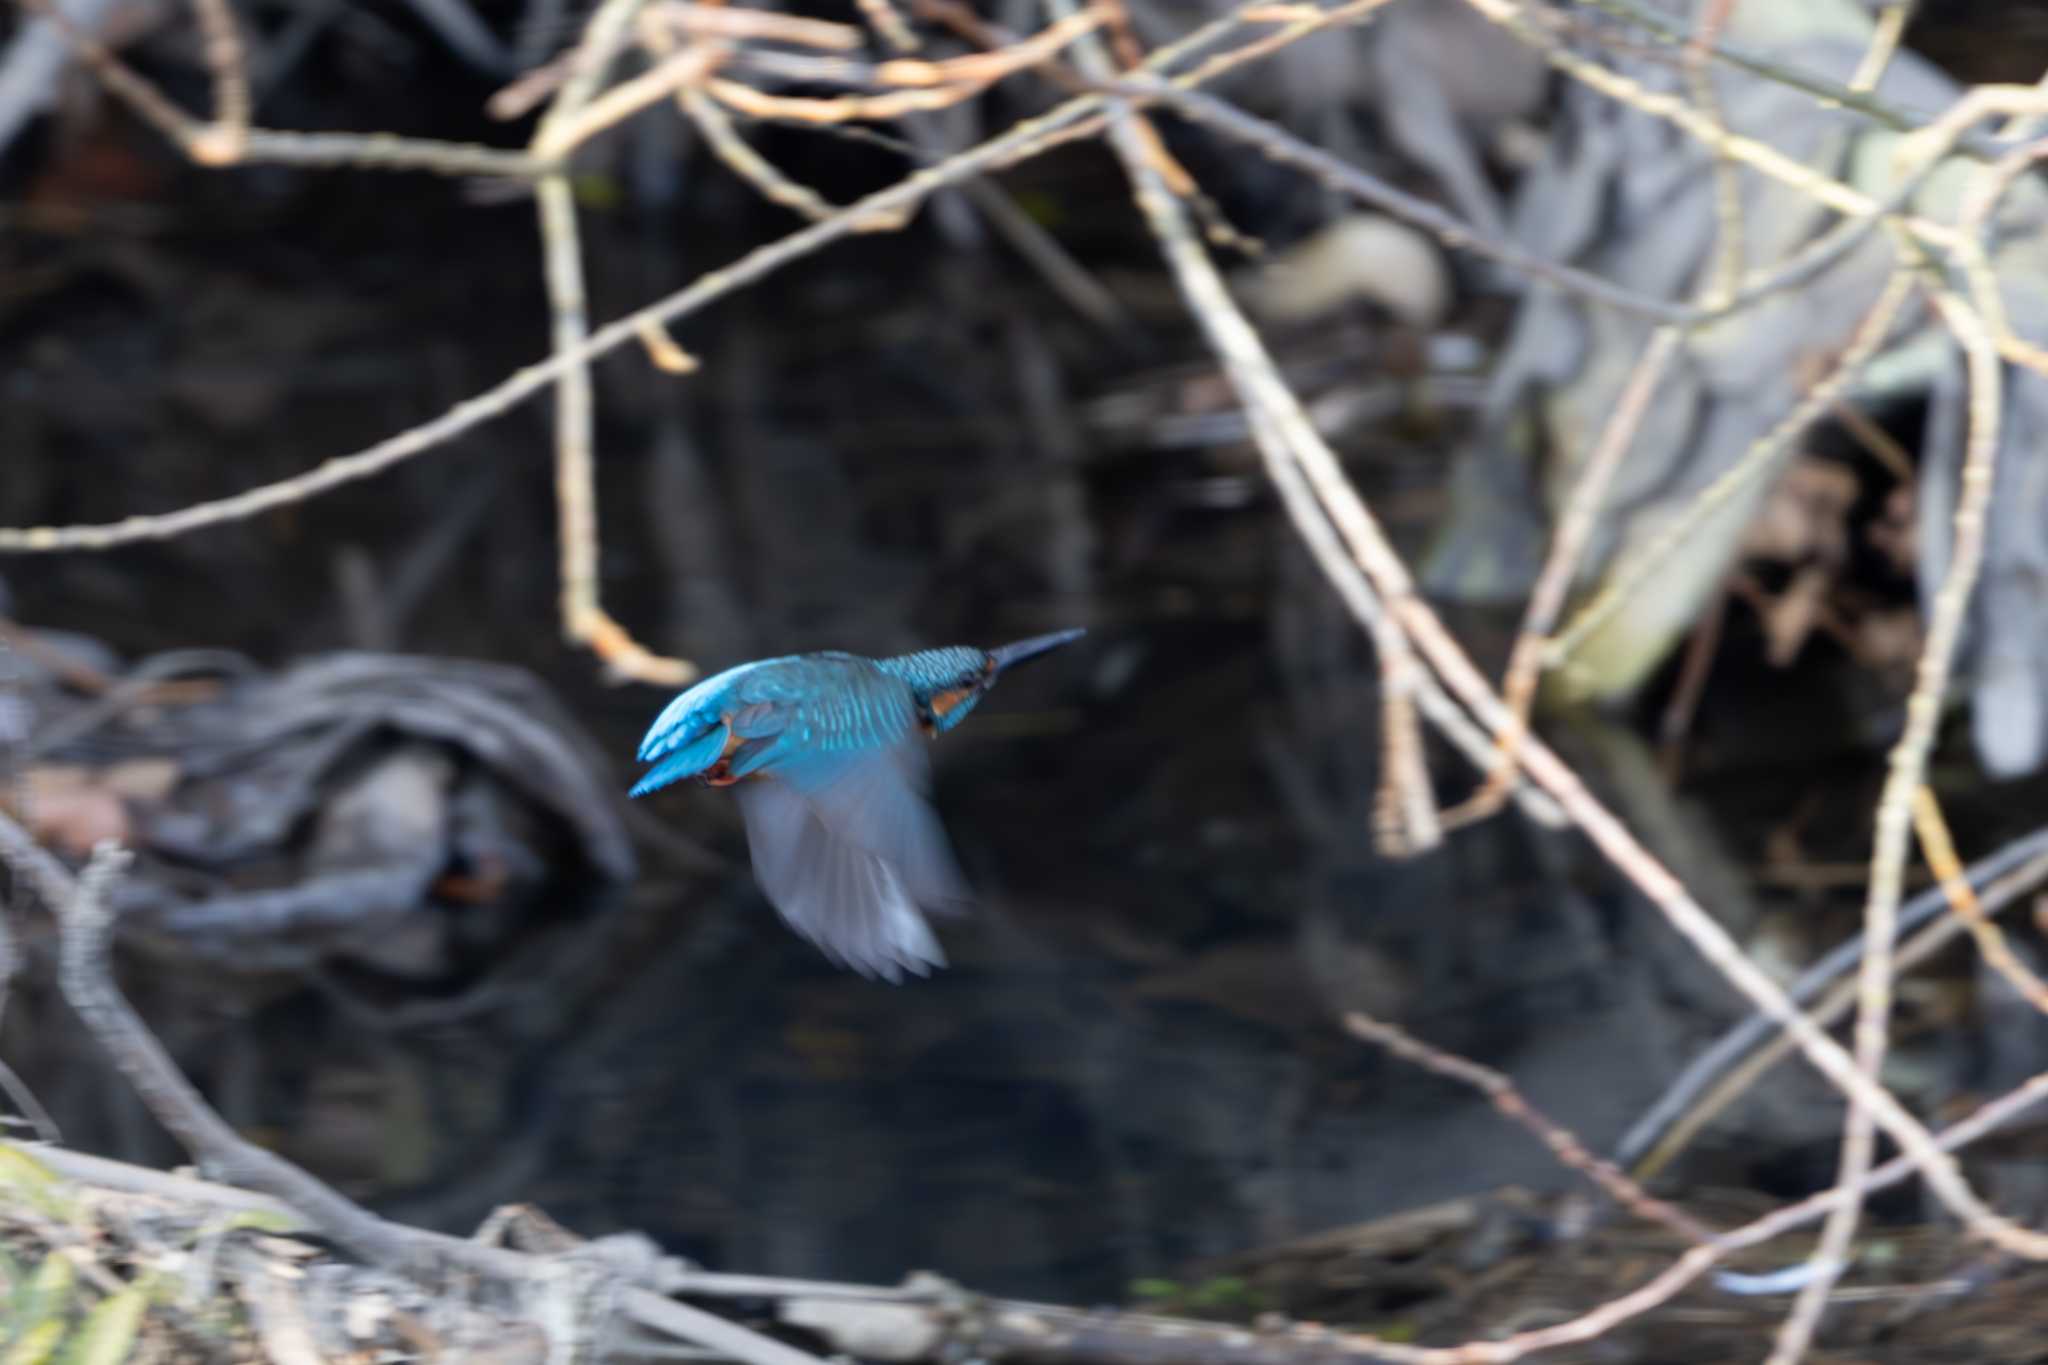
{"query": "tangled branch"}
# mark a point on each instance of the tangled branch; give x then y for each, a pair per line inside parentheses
(709, 63)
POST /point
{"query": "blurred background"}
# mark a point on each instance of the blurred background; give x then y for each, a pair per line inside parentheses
(394, 916)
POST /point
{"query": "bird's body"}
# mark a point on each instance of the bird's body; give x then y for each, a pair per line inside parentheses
(826, 755)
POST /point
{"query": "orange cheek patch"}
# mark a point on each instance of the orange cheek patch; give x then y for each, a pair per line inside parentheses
(944, 702)
(719, 774)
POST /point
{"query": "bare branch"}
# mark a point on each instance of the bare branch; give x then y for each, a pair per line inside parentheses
(223, 143)
(1700, 1092)
(1954, 884)
(884, 19)
(1638, 570)
(1500, 1091)
(149, 103)
(1907, 766)
(1278, 413)
(736, 24)
(1827, 92)
(1561, 564)
(81, 909)
(1075, 118)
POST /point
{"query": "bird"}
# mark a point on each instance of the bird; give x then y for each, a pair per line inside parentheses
(826, 755)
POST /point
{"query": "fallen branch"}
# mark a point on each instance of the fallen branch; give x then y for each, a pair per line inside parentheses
(80, 905)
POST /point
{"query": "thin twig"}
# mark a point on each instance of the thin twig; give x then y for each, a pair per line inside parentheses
(523, 94)
(829, 110)
(886, 21)
(749, 165)
(1761, 156)
(1089, 1336)
(1917, 152)
(1402, 825)
(1286, 149)
(685, 18)
(684, 70)
(1028, 138)
(740, 24)
(31, 1109)
(80, 906)
(1695, 666)
(1276, 410)
(1878, 443)
(149, 103)
(1278, 414)
(2003, 877)
(1742, 1075)
(1713, 943)
(522, 384)
(1692, 1264)
(668, 357)
(1561, 564)
(365, 151)
(1827, 92)
(1979, 201)
(1356, 592)
(1728, 231)
(85, 923)
(928, 85)
(1907, 766)
(223, 143)
(584, 620)
(384, 152)
(1940, 852)
(1638, 570)
(1064, 275)
(1884, 43)
(722, 138)
(11, 1085)
(1501, 1092)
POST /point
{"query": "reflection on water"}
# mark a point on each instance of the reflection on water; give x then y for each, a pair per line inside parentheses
(1131, 1063)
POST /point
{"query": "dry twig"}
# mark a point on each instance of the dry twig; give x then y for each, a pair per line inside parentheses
(223, 143)
(1500, 1091)
(1639, 569)
(1075, 118)
(1561, 564)
(1422, 667)
(1954, 884)
(1726, 1071)
(1278, 415)
(85, 921)
(1894, 811)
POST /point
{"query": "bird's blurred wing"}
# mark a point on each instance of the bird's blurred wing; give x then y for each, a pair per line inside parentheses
(859, 761)
(848, 900)
(876, 801)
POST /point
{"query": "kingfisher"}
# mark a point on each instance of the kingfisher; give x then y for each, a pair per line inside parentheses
(825, 753)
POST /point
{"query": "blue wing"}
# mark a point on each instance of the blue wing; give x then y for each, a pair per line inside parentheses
(844, 841)
(864, 910)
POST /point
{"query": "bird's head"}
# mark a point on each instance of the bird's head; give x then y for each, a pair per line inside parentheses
(949, 682)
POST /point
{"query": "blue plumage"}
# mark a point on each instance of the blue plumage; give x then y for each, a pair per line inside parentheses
(825, 754)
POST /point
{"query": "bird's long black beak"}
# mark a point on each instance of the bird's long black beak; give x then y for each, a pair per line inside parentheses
(1009, 655)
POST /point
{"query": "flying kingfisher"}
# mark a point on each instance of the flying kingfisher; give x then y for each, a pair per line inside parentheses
(825, 755)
